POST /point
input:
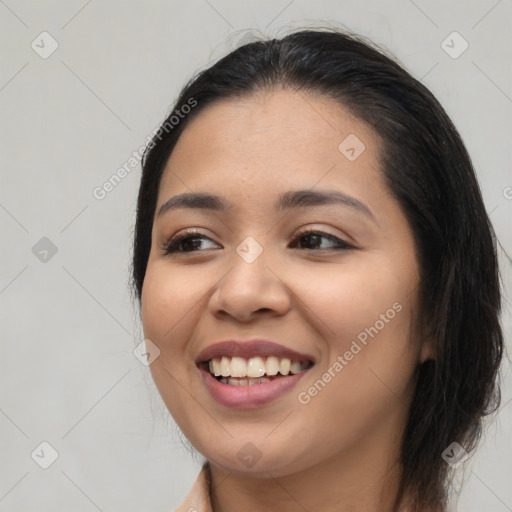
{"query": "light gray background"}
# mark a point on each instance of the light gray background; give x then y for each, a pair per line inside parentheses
(69, 121)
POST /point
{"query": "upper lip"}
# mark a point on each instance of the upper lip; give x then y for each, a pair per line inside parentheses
(248, 349)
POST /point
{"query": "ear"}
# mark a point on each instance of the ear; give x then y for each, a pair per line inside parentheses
(428, 350)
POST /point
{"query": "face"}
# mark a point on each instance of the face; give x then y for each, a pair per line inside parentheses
(314, 293)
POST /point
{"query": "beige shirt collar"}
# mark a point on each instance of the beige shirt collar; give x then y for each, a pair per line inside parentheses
(198, 499)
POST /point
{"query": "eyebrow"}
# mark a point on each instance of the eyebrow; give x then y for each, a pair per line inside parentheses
(287, 200)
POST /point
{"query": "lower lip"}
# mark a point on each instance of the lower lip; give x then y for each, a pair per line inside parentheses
(249, 396)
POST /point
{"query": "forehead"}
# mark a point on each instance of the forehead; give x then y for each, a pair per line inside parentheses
(276, 138)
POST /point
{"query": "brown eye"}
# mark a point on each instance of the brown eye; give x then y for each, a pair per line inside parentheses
(316, 240)
(186, 242)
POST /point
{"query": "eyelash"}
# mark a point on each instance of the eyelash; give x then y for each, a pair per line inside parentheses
(170, 246)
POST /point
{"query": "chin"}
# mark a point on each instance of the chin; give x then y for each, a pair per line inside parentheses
(257, 457)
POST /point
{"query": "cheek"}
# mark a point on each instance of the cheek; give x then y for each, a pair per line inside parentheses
(170, 308)
(169, 300)
(365, 313)
(169, 305)
(347, 299)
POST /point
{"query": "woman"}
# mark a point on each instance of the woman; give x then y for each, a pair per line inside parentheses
(317, 271)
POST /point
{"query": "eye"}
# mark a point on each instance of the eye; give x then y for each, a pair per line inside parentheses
(189, 241)
(315, 240)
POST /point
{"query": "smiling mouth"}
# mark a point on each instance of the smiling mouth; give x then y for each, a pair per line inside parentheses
(242, 371)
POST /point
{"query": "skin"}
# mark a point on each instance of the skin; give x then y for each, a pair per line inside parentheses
(338, 451)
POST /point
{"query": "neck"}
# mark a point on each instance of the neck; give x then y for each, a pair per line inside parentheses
(365, 480)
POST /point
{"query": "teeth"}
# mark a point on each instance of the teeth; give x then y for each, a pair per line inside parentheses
(295, 367)
(284, 366)
(244, 382)
(225, 369)
(272, 365)
(253, 368)
(216, 366)
(238, 367)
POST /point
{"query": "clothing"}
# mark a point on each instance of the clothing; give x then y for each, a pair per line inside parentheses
(198, 499)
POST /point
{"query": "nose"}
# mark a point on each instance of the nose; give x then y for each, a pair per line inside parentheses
(249, 290)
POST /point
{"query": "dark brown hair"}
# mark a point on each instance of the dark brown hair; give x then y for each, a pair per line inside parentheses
(429, 172)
